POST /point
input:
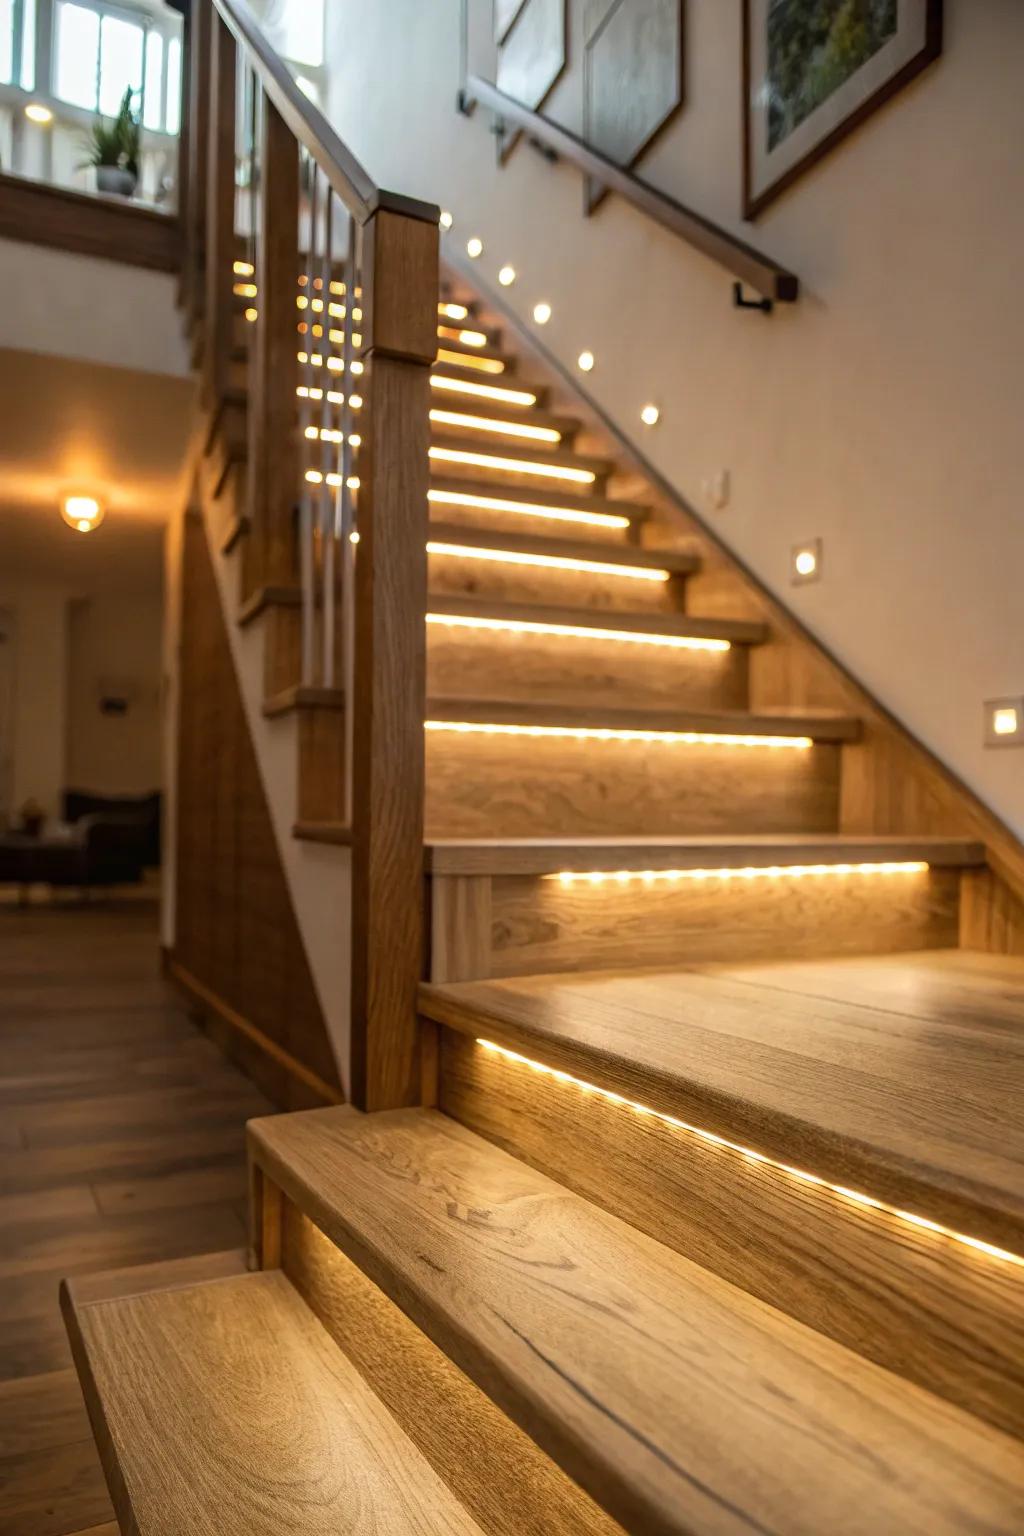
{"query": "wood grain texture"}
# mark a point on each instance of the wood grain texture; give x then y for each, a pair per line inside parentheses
(193, 273)
(897, 1076)
(503, 1479)
(237, 943)
(508, 787)
(89, 225)
(991, 916)
(949, 1319)
(400, 280)
(220, 212)
(639, 1372)
(237, 1385)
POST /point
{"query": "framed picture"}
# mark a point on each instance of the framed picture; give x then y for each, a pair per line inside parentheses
(633, 69)
(815, 69)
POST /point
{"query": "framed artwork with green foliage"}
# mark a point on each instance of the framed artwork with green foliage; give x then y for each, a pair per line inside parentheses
(815, 69)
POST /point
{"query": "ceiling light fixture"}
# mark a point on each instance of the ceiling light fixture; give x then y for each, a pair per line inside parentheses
(37, 113)
(82, 513)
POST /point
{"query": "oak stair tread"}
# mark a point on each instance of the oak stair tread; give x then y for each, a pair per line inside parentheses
(302, 696)
(511, 416)
(268, 597)
(471, 375)
(678, 1402)
(549, 855)
(675, 625)
(899, 1077)
(680, 563)
(546, 454)
(532, 496)
(225, 1407)
(819, 727)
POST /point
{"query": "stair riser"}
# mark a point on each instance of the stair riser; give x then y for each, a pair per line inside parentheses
(529, 924)
(590, 591)
(918, 1304)
(515, 786)
(564, 670)
(504, 1480)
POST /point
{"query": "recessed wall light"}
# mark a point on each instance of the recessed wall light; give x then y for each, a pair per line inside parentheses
(82, 513)
(37, 113)
(507, 276)
(475, 247)
(805, 562)
(649, 415)
(542, 313)
(1004, 722)
(446, 221)
(585, 361)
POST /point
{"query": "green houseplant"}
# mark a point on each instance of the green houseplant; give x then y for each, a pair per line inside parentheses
(114, 146)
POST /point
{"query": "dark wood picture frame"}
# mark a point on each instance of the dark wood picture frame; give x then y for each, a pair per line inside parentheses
(754, 202)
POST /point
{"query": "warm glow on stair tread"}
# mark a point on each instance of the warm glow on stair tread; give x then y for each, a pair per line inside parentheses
(485, 459)
(473, 421)
(452, 497)
(584, 563)
(581, 631)
(501, 394)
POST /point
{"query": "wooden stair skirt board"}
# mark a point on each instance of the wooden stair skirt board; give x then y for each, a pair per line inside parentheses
(541, 905)
(798, 1181)
(225, 1407)
(237, 946)
(679, 1403)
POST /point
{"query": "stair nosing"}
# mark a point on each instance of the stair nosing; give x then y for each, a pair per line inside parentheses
(632, 621)
(820, 728)
(677, 563)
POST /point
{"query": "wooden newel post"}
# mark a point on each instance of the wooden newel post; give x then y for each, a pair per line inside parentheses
(220, 214)
(273, 478)
(400, 283)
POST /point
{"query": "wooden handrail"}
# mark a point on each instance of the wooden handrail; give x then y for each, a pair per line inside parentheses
(742, 260)
(361, 196)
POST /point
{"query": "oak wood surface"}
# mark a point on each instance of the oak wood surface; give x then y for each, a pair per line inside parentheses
(89, 225)
(636, 622)
(897, 1076)
(639, 1372)
(948, 1318)
(226, 1407)
(220, 212)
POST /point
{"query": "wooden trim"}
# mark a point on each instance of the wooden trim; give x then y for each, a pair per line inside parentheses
(218, 320)
(194, 207)
(273, 447)
(108, 227)
(347, 177)
(400, 282)
(739, 258)
(202, 994)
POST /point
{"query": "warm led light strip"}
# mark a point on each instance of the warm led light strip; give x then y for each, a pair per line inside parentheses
(747, 872)
(549, 562)
(334, 364)
(483, 391)
(243, 269)
(245, 290)
(468, 338)
(467, 360)
(488, 424)
(516, 466)
(573, 631)
(453, 311)
(527, 509)
(606, 733)
(749, 1155)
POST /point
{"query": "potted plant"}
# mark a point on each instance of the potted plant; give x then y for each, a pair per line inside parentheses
(114, 148)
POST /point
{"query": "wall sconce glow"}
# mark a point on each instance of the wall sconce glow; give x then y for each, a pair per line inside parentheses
(570, 631)
(446, 221)
(568, 877)
(603, 733)
(806, 562)
(1004, 722)
(649, 415)
(585, 361)
(474, 247)
(507, 276)
(542, 313)
(37, 113)
(82, 513)
(748, 1154)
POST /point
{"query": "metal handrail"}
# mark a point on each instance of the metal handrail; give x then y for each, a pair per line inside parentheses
(359, 193)
(745, 263)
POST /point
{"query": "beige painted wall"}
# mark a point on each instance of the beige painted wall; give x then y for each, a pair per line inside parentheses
(114, 646)
(882, 414)
(39, 712)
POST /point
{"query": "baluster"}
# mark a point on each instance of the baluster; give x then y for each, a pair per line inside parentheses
(198, 119)
(348, 531)
(313, 493)
(399, 329)
(220, 216)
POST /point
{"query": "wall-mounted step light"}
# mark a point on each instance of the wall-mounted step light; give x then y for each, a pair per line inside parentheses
(474, 247)
(507, 276)
(585, 361)
(446, 221)
(542, 313)
(1004, 722)
(649, 415)
(805, 562)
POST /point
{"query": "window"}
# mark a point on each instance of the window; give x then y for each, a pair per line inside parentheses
(102, 51)
(18, 43)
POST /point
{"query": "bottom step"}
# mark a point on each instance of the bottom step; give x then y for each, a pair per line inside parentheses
(224, 1407)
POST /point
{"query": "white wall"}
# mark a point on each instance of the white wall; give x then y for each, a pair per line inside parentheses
(87, 308)
(883, 413)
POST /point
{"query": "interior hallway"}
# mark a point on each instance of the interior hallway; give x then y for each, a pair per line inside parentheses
(121, 1143)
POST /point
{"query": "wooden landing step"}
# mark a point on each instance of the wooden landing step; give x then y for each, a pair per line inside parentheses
(899, 1077)
(555, 855)
(225, 1407)
(679, 1403)
(815, 727)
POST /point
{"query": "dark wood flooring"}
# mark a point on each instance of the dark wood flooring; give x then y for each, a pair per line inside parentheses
(121, 1142)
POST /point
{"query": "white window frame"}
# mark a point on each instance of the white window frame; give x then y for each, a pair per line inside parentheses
(148, 23)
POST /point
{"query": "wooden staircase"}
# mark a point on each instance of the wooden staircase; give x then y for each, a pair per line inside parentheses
(707, 1216)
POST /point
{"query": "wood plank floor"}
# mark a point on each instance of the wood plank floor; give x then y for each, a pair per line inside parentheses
(121, 1142)
(899, 1075)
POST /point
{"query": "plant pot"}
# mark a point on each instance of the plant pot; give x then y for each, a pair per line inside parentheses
(111, 178)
